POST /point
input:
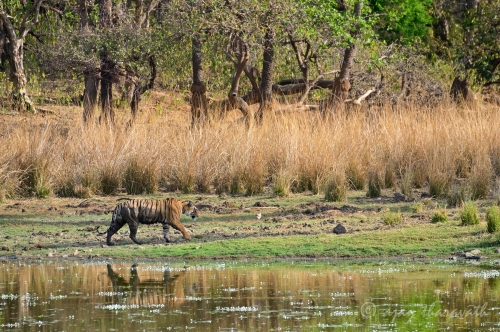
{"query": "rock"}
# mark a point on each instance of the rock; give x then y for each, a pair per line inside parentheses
(259, 215)
(453, 258)
(5, 248)
(261, 204)
(50, 254)
(470, 255)
(339, 229)
(497, 251)
(398, 197)
(75, 253)
(475, 252)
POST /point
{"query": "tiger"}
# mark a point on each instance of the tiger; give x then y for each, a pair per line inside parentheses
(140, 211)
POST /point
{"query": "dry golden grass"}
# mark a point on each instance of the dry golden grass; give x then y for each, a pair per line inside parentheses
(57, 154)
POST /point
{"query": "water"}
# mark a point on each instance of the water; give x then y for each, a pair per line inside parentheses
(248, 296)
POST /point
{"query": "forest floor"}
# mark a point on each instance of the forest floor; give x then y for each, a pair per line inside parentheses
(242, 227)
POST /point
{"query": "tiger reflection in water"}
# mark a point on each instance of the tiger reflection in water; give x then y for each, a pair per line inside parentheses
(169, 290)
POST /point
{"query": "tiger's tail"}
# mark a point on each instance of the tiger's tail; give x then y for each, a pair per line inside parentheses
(113, 219)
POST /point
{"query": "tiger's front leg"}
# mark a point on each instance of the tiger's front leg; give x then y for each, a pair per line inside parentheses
(165, 232)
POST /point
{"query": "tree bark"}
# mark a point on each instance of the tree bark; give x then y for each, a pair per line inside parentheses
(142, 15)
(3, 41)
(266, 87)
(139, 88)
(199, 102)
(84, 16)
(460, 91)
(90, 93)
(341, 86)
(105, 13)
(107, 68)
(15, 54)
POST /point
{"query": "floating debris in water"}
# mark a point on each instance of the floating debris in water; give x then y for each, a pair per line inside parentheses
(111, 293)
(483, 274)
(236, 309)
(118, 306)
(57, 297)
(9, 297)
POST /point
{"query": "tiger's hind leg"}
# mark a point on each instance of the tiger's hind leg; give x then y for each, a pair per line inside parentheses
(165, 232)
(133, 232)
(116, 224)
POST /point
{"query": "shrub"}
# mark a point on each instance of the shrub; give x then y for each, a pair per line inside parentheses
(406, 184)
(439, 216)
(281, 184)
(110, 181)
(439, 184)
(336, 189)
(469, 215)
(356, 177)
(36, 179)
(389, 176)
(139, 179)
(418, 207)
(456, 198)
(392, 218)
(493, 219)
(375, 184)
(479, 182)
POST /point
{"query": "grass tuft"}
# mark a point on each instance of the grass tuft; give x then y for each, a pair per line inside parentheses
(336, 189)
(392, 218)
(439, 216)
(469, 215)
(493, 219)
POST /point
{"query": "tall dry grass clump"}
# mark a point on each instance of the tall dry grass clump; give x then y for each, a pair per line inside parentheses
(296, 152)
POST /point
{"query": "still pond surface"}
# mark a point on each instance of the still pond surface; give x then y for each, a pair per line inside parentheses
(248, 296)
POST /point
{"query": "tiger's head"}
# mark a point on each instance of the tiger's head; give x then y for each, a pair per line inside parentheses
(190, 210)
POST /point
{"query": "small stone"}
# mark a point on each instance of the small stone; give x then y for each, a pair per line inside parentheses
(470, 255)
(75, 253)
(398, 197)
(50, 254)
(65, 256)
(475, 252)
(339, 229)
(497, 251)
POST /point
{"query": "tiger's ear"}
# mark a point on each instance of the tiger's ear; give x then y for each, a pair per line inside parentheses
(190, 204)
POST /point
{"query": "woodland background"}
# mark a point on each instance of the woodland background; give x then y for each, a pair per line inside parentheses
(336, 95)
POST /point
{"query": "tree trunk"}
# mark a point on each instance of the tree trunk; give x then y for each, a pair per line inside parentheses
(3, 41)
(15, 53)
(84, 16)
(90, 93)
(341, 85)
(141, 16)
(199, 102)
(139, 88)
(107, 68)
(105, 13)
(22, 101)
(460, 91)
(266, 87)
